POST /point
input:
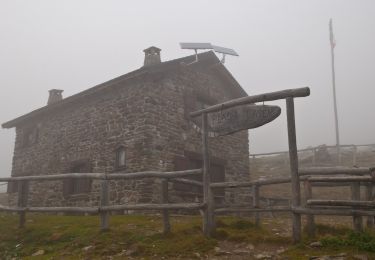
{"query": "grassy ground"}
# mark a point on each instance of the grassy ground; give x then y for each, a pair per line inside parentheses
(78, 237)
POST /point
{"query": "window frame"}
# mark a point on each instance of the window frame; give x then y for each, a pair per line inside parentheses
(118, 152)
(30, 136)
(12, 187)
(80, 186)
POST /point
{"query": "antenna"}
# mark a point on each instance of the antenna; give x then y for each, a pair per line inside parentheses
(206, 45)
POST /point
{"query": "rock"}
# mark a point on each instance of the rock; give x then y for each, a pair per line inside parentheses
(55, 236)
(325, 257)
(316, 244)
(122, 253)
(250, 247)
(39, 252)
(280, 250)
(241, 252)
(341, 256)
(219, 251)
(262, 256)
(360, 257)
(130, 252)
(87, 248)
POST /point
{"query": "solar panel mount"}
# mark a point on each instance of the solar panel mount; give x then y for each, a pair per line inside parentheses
(207, 46)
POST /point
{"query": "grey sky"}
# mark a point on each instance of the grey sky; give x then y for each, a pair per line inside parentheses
(74, 45)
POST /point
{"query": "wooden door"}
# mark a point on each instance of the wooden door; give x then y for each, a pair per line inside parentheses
(217, 173)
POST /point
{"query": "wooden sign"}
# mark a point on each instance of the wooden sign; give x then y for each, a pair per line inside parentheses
(234, 119)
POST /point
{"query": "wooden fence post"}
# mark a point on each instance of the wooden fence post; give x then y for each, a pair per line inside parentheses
(256, 203)
(208, 214)
(354, 155)
(104, 201)
(23, 192)
(313, 156)
(310, 225)
(254, 162)
(356, 195)
(293, 157)
(369, 193)
(286, 159)
(164, 200)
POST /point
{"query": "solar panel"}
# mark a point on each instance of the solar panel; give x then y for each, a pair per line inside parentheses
(195, 45)
(225, 50)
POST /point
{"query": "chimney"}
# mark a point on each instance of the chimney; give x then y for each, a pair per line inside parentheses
(152, 56)
(55, 95)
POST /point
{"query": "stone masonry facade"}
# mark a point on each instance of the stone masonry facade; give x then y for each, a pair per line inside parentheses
(146, 114)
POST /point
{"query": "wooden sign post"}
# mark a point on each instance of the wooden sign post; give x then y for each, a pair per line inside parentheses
(293, 159)
(208, 217)
(240, 114)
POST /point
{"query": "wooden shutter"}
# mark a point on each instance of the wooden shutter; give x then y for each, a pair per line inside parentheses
(217, 173)
(12, 187)
(180, 164)
(78, 186)
(67, 187)
(183, 163)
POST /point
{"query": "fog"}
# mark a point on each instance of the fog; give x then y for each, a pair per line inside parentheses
(74, 45)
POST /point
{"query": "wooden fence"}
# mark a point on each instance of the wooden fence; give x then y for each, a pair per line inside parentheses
(313, 151)
(311, 177)
(316, 177)
(104, 208)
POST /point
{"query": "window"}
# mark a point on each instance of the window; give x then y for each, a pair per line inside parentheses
(30, 136)
(200, 104)
(12, 187)
(77, 186)
(120, 158)
(203, 103)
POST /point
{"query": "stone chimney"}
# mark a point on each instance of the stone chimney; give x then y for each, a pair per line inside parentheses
(152, 56)
(55, 95)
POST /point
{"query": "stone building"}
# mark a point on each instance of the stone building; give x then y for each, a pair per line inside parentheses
(136, 122)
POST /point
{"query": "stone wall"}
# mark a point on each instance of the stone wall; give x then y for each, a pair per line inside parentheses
(147, 115)
(174, 97)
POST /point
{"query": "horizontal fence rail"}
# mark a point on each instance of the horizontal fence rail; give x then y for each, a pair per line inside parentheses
(343, 203)
(342, 179)
(268, 209)
(334, 212)
(336, 171)
(312, 149)
(170, 206)
(304, 173)
(104, 176)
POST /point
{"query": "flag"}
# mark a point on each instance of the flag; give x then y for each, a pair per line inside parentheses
(331, 36)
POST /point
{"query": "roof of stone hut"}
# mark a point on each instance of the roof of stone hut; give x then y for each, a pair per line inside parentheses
(205, 60)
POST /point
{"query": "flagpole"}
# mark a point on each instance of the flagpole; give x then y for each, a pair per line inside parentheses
(332, 41)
